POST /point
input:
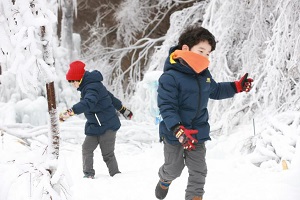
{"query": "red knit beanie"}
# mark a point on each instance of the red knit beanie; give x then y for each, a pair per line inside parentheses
(76, 71)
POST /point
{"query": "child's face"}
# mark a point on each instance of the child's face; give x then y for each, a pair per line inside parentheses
(203, 48)
(75, 84)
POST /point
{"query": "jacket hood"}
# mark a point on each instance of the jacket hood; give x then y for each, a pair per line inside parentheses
(90, 77)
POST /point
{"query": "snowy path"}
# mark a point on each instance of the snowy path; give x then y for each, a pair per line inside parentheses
(140, 155)
(230, 175)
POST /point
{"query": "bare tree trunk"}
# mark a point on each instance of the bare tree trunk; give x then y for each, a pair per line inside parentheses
(67, 27)
(54, 127)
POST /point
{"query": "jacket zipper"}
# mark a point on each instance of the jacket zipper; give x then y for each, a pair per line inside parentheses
(199, 97)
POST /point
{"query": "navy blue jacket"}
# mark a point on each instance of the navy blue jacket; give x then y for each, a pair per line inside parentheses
(183, 96)
(98, 105)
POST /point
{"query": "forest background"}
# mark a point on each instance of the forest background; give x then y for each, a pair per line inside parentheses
(128, 41)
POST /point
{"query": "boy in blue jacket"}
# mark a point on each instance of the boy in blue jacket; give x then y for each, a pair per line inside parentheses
(99, 107)
(183, 93)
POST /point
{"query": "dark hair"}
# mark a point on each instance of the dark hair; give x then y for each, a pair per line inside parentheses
(194, 34)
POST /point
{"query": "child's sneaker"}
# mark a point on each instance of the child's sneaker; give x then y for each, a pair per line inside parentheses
(89, 176)
(162, 188)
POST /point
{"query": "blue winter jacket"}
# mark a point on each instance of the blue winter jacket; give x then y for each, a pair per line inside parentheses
(183, 96)
(98, 105)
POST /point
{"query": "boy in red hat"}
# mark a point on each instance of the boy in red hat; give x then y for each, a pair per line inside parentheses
(99, 107)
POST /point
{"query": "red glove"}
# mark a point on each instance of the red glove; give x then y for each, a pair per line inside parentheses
(65, 115)
(185, 137)
(244, 84)
(188, 145)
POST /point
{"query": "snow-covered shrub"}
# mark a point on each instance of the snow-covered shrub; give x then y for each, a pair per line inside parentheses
(277, 141)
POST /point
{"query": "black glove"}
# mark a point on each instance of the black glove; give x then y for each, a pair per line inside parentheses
(126, 112)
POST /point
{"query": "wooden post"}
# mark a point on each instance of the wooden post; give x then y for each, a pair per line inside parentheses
(54, 128)
(54, 138)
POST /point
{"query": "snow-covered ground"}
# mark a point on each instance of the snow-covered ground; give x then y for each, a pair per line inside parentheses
(231, 176)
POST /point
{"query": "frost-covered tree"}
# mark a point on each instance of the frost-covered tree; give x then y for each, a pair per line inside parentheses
(258, 37)
(261, 38)
(68, 7)
(121, 49)
(129, 42)
(27, 57)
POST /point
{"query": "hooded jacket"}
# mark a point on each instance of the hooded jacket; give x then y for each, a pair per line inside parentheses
(183, 96)
(97, 104)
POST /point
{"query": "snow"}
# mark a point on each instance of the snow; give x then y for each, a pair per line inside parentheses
(245, 156)
(243, 164)
(231, 176)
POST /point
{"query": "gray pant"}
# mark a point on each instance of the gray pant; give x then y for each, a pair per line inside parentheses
(107, 146)
(175, 160)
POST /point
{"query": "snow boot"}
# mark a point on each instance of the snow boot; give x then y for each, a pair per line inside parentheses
(89, 176)
(197, 198)
(162, 188)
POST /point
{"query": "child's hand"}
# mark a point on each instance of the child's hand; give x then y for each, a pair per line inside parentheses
(244, 84)
(185, 137)
(188, 145)
(65, 115)
(126, 112)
